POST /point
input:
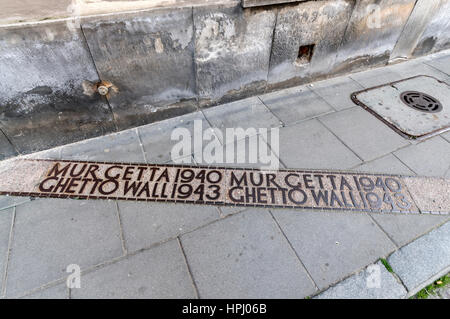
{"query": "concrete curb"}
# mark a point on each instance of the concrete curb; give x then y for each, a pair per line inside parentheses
(415, 266)
(423, 260)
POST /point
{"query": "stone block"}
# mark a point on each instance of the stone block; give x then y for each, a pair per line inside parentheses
(318, 24)
(417, 263)
(232, 51)
(148, 58)
(372, 32)
(43, 97)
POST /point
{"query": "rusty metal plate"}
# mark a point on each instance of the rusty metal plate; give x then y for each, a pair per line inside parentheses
(317, 190)
(416, 107)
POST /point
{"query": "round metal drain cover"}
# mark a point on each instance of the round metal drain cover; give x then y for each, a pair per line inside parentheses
(421, 101)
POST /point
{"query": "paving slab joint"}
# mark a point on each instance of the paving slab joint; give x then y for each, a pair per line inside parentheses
(295, 252)
(194, 284)
(392, 272)
(4, 278)
(282, 124)
(105, 98)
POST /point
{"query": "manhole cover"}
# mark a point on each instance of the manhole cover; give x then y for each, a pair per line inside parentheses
(415, 107)
(421, 101)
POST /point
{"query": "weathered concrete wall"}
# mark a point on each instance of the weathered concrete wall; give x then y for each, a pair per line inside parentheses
(436, 36)
(321, 23)
(418, 21)
(42, 101)
(258, 3)
(232, 51)
(165, 62)
(12, 11)
(6, 148)
(372, 33)
(32, 10)
(148, 56)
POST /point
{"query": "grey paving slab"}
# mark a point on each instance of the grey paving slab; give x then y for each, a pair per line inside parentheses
(388, 164)
(375, 77)
(333, 245)
(56, 292)
(245, 256)
(50, 234)
(6, 218)
(247, 113)
(337, 91)
(247, 151)
(429, 158)
(424, 258)
(145, 224)
(446, 136)
(118, 147)
(9, 201)
(156, 137)
(363, 133)
(364, 285)
(311, 145)
(403, 229)
(440, 63)
(396, 72)
(295, 104)
(160, 272)
(414, 68)
(229, 210)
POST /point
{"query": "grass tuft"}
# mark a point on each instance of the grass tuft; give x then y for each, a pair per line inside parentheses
(430, 289)
(386, 264)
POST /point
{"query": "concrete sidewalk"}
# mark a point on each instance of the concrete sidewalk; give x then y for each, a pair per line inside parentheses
(156, 250)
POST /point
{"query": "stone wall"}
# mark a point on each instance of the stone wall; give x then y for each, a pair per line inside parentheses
(164, 62)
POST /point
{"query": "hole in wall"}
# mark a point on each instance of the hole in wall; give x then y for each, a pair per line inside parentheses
(305, 53)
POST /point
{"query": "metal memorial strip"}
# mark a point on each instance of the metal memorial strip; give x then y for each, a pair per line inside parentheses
(323, 190)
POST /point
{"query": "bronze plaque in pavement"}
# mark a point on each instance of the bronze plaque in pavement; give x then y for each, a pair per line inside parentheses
(322, 190)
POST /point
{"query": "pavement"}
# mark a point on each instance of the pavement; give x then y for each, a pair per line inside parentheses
(160, 250)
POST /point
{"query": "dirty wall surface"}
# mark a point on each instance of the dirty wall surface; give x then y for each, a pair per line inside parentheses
(318, 23)
(42, 99)
(149, 58)
(436, 36)
(166, 62)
